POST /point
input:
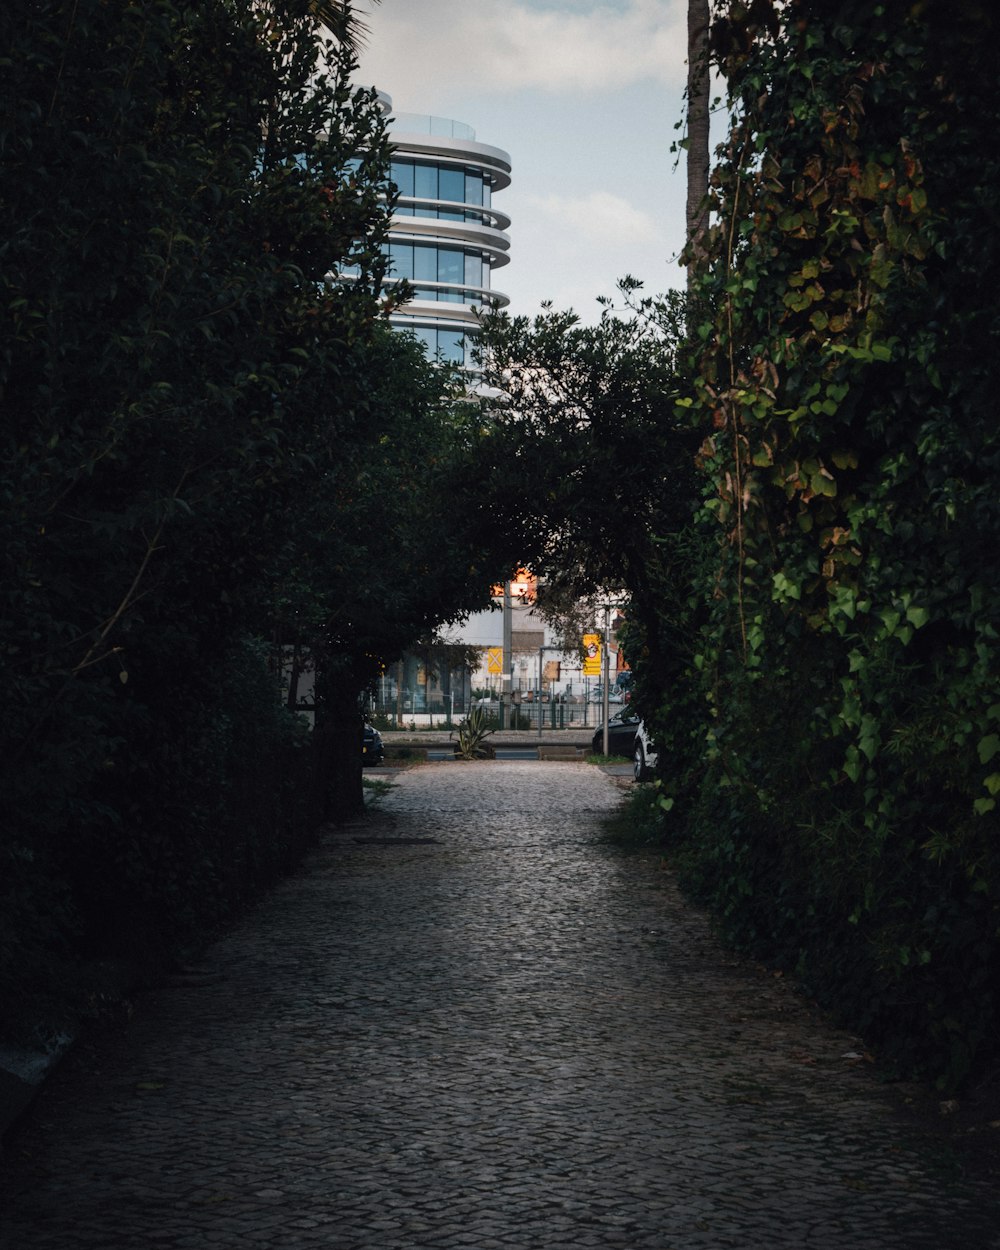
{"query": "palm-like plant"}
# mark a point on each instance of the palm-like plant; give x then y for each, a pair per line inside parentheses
(340, 19)
(471, 734)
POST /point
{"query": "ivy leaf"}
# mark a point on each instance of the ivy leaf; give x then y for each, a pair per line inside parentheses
(988, 747)
(822, 483)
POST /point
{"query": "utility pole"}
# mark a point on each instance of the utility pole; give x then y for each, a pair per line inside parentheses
(508, 659)
(605, 692)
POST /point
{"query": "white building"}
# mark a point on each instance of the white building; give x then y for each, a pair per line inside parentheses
(446, 237)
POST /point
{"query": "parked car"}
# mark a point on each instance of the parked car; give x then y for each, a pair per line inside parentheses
(372, 751)
(644, 754)
(614, 695)
(621, 735)
(627, 736)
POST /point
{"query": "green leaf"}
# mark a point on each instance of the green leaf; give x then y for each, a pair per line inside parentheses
(988, 747)
(785, 588)
(822, 483)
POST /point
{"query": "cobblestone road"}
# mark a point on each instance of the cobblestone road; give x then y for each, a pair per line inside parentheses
(469, 1023)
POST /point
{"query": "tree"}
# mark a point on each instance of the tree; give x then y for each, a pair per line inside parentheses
(342, 21)
(589, 417)
(177, 183)
(698, 121)
(398, 542)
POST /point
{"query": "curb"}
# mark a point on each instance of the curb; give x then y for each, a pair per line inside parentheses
(22, 1075)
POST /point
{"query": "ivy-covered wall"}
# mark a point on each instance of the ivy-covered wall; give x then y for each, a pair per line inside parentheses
(844, 819)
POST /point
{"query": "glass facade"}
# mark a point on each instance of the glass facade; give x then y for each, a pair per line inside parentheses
(427, 262)
(445, 238)
(449, 344)
(421, 123)
(430, 184)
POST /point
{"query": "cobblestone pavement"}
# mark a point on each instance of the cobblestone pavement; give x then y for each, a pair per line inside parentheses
(471, 1023)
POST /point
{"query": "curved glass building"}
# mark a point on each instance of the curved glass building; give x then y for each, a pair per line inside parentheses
(446, 238)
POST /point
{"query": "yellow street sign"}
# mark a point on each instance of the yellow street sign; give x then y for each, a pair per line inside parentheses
(592, 655)
(494, 660)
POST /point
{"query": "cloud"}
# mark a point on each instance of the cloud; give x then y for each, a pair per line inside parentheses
(572, 249)
(599, 218)
(489, 45)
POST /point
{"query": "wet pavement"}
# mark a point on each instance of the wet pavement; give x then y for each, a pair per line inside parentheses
(471, 1023)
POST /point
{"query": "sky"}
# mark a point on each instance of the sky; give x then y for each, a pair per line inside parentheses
(585, 97)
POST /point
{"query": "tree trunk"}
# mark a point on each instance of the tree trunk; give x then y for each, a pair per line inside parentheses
(292, 694)
(337, 740)
(698, 98)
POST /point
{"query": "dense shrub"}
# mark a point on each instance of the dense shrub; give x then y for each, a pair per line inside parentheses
(177, 181)
(846, 822)
(209, 436)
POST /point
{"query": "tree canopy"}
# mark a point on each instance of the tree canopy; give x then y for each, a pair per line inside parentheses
(594, 456)
(210, 442)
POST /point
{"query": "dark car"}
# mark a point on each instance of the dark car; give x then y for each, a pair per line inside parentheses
(372, 751)
(622, 728)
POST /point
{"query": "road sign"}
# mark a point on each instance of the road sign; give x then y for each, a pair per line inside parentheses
(494, 660)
